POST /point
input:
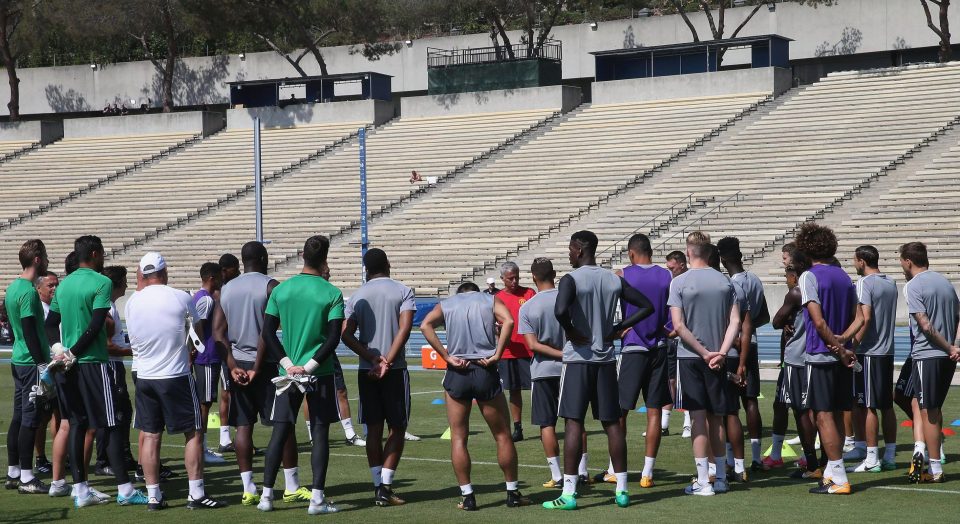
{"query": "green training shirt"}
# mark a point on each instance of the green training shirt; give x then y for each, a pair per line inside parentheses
(77, 296)
(22, 301)
(305, 304)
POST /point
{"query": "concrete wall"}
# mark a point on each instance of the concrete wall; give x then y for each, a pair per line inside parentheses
(37, 131)
(563, 98)
(764, 80)
(195, 122)
(367, 111)
(851, 26)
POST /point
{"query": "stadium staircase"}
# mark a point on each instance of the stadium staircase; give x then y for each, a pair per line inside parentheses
(13, 150)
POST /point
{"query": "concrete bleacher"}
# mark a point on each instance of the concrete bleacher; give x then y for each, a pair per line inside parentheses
(323, 196)
(529, 190)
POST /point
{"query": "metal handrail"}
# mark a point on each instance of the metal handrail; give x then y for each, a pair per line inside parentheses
(643, 227)
(551, 50)
(699, 221)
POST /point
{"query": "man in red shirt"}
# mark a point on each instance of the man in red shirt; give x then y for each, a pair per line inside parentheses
(514, 366)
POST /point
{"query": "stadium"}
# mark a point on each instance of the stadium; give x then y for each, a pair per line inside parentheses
(457, 153)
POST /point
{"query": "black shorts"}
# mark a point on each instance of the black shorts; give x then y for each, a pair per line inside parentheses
(734, 392)
(791, 386)
(903, 380)
(672, 358)
(473, 383)
(253, 400)
(224, 377)
(321, 403)
(338, 381)
(514, 373)
(828, 387)
(752, 391)
(545, 397)
(387, 399)
(206, 377)
(930, 381)
(31, 414)
(699, 387)
(643, 371)
(873, 386)
(123, 392)
(594, 384)
(89, 396)
(169, 403)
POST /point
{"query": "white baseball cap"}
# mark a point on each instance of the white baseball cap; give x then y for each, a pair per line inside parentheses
(490, 280)
(151, 263)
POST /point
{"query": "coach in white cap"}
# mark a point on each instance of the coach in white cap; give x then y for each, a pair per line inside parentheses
(166, 397)
(491, 286)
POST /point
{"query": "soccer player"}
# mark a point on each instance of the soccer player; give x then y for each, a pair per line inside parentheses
(311, 311)
(872, 333)
(706, 316)
(934, 311)
(206, 365)
(237, 327)
(230, 269)
(587, 299)
(829, 300)
(471, 354)
(677, 265)
(749, 369)
(643, 359)
(514, 367)
(88, 392)
(157, 319)
(31, 354)
(382, 309)
(46, 285)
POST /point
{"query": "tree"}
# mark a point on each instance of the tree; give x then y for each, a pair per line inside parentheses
(942, 28)
(535, 18)
(19, 33)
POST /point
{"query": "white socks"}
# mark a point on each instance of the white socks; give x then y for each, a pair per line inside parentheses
(554, 463)
(386, 476)
(776, 452)
(125, 490)
(267, 493)
(890, 452)
(466, 489)
(648, 463)
(153, 491)
(583, 465)
(686, 419)
(665, 418)
(621, 481)
(225, 436)
(196, 489)
(246, 478)
(26, 475)
(309, 431)
(703, 471)
(375, 473)
(512, 485)
(738, 465)
(569, 484)
(836, 472)
(610, 467)
(348, 428)
(920, 447)
(81, 490)
(13, 472)
(936, 467)
(755, 450)
(317, 497)
(872, 458)
(291, 479)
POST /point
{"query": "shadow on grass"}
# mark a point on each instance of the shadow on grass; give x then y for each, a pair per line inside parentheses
(30, 516)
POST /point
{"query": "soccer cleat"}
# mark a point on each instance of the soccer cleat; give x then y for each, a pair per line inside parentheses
(411, 437)
(664, 432)
(517, 434)
(769, 463)
(356, 441)
(467, 502)
(137, 498)
(101, 496)
(257, 452)
(915, 472)
(515, 499)
(696, 489)
(249, 499)
(646, 482)
(622, 499)
(803, 474)
(935, 478)
(138, 474)
(758, 466)
(829, 488)
(741, 477)
(888, 465)
(155, 504)
(604, 476)
(211, 457)
(166, 473)
(386, 497)
(801, 463)
(204, 502)
(585, 480)
(686, 432)
(89, 500)
(863, 467)
(227, 449)
(43, 465)
(266, 504)
(855, 454)
(301, 495)
(34, 487)
(62, 490)
(795, 441)
(563, 502)
(321, 508)
(848, 444)
(103, 470)
(553, 484)
(12, 483)
(720, 486)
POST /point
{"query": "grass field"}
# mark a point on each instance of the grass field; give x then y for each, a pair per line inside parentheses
(425, 479)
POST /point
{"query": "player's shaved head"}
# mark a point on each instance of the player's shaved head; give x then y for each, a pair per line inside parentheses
(375, 260)
(640, 244)
(254, 256)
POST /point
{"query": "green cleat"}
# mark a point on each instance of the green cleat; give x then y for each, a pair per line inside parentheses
(301, 495)
(623, 499)
(562, 502)
(250, 499)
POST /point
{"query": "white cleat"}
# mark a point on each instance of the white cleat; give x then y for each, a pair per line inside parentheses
(266, 504)
(321, 508)
(411, 437)
(62, 491)
(356, 441)
(795, 441)
(212, 457)
(686, 432)
(697, 489)
(101, 496)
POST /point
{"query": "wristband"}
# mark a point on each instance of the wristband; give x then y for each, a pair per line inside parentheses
(311, 366)
(286, 363)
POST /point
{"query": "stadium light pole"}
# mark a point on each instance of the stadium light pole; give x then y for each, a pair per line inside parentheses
(364, 240)
(257, 179)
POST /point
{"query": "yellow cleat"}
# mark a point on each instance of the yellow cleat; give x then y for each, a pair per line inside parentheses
(553, 484)
(250, 499)
(646, 482)
(936, 478)
(301, 495)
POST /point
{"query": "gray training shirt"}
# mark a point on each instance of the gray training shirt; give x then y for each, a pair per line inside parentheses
(795, 350)
(705, 296)
(243, 301)
(880, 293)
(744, 304)
(376, 308)
(932, 294)
(753, 291)
(471, 325)
(593, 314)
(537, 318)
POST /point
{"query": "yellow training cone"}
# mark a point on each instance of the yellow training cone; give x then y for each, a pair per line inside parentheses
(446, 435)
(213, 420)
(785, 453)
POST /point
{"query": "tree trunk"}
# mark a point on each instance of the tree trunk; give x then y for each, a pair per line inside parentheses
(171, 61)
(683, 15)
(10, 63)
(946, 53)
